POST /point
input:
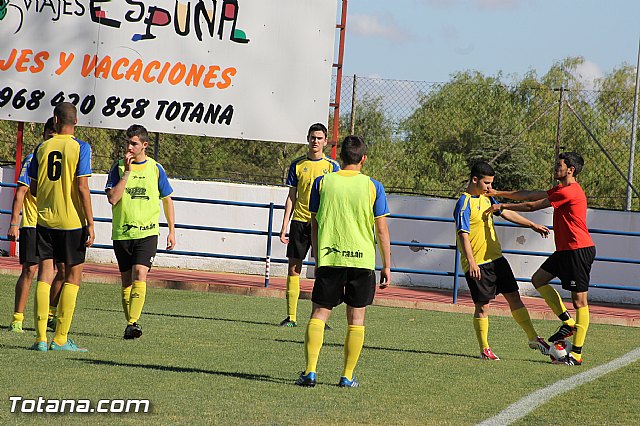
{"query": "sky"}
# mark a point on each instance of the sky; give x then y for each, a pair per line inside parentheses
(428, 40)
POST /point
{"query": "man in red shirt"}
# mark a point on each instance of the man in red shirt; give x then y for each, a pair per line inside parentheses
(575, 250)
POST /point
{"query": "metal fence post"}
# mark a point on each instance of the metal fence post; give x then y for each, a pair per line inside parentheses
(353, 105)
(634, 124)
(267, 266)
(456, 271)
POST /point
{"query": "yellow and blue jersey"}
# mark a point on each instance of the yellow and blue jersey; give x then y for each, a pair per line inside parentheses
(56, 165)
(471, 218)
(302, 173)
(29, 210)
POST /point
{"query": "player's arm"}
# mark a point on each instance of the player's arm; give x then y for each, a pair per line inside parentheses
(518, 195)
(292, 196)
(169, 214)
(13, 233)
(514, 217)
(85, 200)
(530, 206)
(314, 237)
(467, 252)
(114, 193)
(384, 243)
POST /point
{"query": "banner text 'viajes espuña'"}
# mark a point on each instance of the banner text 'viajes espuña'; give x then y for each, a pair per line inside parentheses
(250, 69)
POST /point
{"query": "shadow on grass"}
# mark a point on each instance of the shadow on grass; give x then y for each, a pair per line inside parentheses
(174, 369)
(411, 351)
(189, 317)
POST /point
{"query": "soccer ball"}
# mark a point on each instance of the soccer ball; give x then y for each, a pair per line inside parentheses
(559, 349)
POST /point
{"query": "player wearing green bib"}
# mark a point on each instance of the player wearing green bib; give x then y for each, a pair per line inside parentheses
(346, 207)
(134, 188)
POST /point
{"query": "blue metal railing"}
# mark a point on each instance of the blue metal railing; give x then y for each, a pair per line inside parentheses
(267, 259)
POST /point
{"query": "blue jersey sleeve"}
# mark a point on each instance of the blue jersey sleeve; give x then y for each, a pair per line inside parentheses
(33, 165)
(24, 172)
(292, 177)
(380, 205)
(314, 198)
(462, 214)
(163, 183)
(114, 177)
(84, 162)
(336, 166)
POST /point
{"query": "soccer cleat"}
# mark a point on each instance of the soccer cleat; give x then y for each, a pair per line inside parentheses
(346, 383)
(69, 346)
(540, 345)
(487, 353)
(288, 323)
(51, 323)
(133, 331)
(307, 381)
(16, 327)
(39, 346)
(563, 332)
(568, 359)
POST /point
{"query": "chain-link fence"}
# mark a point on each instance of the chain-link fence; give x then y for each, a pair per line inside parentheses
(423, 137)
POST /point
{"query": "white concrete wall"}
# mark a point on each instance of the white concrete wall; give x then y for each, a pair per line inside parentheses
(400, 229)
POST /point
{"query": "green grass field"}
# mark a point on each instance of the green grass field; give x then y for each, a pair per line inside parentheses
(216, 358)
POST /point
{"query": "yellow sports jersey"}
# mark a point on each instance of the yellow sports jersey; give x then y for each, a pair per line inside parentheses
(56, 165)
(29, 210)
(302, 172)
(471, 218)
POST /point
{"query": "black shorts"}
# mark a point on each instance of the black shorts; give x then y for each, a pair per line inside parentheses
(573, 267)
(299, 239)
(353, 286)
(27, 247)
(495, 277)
(62, 246)
(135, 252)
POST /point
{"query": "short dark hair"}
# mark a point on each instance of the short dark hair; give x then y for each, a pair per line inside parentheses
(317, 127)
(482, 169)
(139, 131)
(48, 128)
(352, 150)
(572, 159)
(66, 114)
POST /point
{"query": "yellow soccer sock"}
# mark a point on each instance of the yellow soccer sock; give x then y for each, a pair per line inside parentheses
(41, 310)
(481, 325)
(136, 301)
(126, 295)
(293, 293)
(313, 343)
(18, 316)
(66, 308)
(352, 347)
(582, 325)
(523, 319)
(554, 301)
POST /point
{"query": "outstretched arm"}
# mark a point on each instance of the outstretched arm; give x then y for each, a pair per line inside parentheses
(530, 206)
(518, 195)
(514, 217)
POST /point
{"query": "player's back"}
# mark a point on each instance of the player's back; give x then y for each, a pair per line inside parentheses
(57, 164)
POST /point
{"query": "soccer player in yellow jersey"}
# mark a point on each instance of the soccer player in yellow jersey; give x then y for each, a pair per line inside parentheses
(60, 171)
(487, 272)
(302, 172)
(134, 189)
(349, 216)
(25, 230)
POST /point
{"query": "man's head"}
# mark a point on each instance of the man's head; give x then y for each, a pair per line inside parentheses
(138, 140)
(569, 164)
(64, 115)
(317, 138)
(481, 179)
(353, 150)
(49, 130)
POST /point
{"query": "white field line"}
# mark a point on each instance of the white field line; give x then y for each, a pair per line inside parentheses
(530, 402)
